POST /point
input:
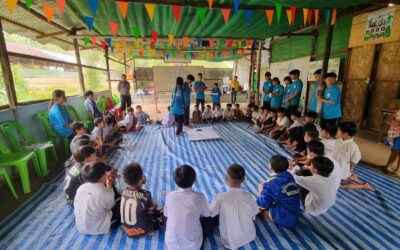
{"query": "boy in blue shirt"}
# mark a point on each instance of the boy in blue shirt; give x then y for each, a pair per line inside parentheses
(91, 105)
(215, 96)
(331, 109)
(279, 199)
(277, 94)
(295, 90)
(312, 106)
(267, 89)
(199, 88)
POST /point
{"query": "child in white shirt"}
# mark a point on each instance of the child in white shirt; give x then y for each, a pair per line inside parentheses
(141, 117)
(254, 115)
(228, 113)
(328, 135)
(282, 122)
(218, 113)
(169, 120)
(183, 209)
(208, 114)
(130, 121)
(237, 210)
(95, 206)
(79, 130)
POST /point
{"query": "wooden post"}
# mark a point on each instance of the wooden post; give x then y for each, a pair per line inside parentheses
(251, 69)
(260, 44)
(108, 67)
(6, 70)
(126, 69)
(79, 64)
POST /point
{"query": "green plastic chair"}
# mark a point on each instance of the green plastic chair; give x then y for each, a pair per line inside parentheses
(75, 116)
(20, 161)
(43, 117)
(20, 140)
(115, 99)
(4, 173)
(102, 103)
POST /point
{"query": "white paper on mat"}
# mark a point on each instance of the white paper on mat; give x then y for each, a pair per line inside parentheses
(201, 134)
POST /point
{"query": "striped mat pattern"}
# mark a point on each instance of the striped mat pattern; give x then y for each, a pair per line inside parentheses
(359, 220)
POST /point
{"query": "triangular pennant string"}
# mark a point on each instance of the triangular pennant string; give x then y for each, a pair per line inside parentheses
(89, 22)
(141, 51)
(293, 13)
(236, 4)
(114, 28)
(108, 41)
(177, 12)
(152, 45)
(309, 16)
(86, 40)
(93, 40)
(270, 15)
(103, 44)
(61, 5)
(316, 16)
(289, 16)
(278, 8)
(334, 13)
(199, 42)
(28, 4)
(164, 52)
(211, 43)
(171, 39)
(186, 41)
(220, 44)
(11, 5)
(49, 11)
(154, 34)
(123, 7)
(305, 15)
(210, 3)
(93, 5)
(327, 12)
(130, 47)
(225, 14)
(123, 42)
(136, 32)
(249, 15)
(150, 10)
(137, 43)
(201, 12)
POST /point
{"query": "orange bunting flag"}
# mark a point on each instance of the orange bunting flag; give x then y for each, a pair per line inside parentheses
(211, 42)
(158, 55)
(130, 47)
(154, 34)
(123, 42)
(49, 11)
(316, 16)
(270, 15)
(249, 42)
(93, 40)
(171, 39)
(137, 43)
(309, 16)
(289, 16)
(114, 27)
(11, 5)
(150, 10)
(117, 46)
(61, 5)
(177, 12)
(293, 13)
(141, 51)
(334, 12)
(186, 41)
(210, 3)
(225, 14)
(305, 15)
(123, 7)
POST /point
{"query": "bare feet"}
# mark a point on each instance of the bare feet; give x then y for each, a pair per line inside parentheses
(369, 187)
(355, 178)
(188, 126)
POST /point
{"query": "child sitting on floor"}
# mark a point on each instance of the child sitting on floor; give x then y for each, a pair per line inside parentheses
(347, 154)
(91, 105)
(95, 205)
(73, 179)
(237, 113)
(295, 116)
(196, 115)
(218, 114)
(141, 117)
(279, 199)
(169, 120)
(228, 113)
(183, 209)
(130, 121)
(282, 122)
(249, 113)
(296, 140)
(328, 135)
(268, 123)
(237, 210)
(79, 129)
(139, 215)
(98, 131)
(254, 115)
(208, 114)
(311, 118)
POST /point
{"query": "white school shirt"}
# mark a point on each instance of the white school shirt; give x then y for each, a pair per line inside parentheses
(228, 114)
(254, 115)
(346, 151)
(128, 121)
(72, 145)
(169, 120)
(183, 209)
(97, 132)
(92, 207)
(218, 113)
(329, 145)
(283, 122)
(298, 123)
(207, 114)
(323, 190)
(237, 211)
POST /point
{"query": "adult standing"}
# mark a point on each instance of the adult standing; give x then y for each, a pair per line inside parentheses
(394, 142)
(178, 104)
(199, 88)
(277, 94)
(124, 88)
(331, 109)
(187, 90)
(267, 90)
(295, 90)
(312, 106)
(58, 115)
(235, 87)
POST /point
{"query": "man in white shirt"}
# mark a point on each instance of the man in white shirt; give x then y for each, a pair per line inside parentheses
(183, 209)
(237, 210)
(94, 205)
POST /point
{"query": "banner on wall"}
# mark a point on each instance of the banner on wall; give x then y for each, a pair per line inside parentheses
(333, 66)
(379, 24)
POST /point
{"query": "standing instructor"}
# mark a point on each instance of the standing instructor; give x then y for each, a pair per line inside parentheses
(124, 89)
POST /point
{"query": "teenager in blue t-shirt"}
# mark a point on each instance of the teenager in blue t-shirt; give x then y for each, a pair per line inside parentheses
(267, 89)
(58, 115)
(295, 90)
(286, 95)
(331, 109)
(199, 88)
(178, 104)
(215, 96)
(277, 94)
(312, 106)
(187, 90)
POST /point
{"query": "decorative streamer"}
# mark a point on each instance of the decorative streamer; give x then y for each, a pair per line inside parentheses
(117, 46)
(93, 5)
(230, 43)
(171, 39)
(150, 10)
(103, 44)
(154, 34)
(210, 3)
(49, 11)
(28, 4)
(177, 12)
(305, 15)
(270, 15)
(152, 45)
(136, 32)
(93, 39)
(225, 14)
(61, 5)
(141, 51)
(249, 15)
(89, 22)
(108, 41)
(316, 16)
(289, 16)
(137, 43)
(236, 4)
(86, 40)
(123, 7)
(114, 27)
(182, 53)
(220, 44)
(293, 13)
(327, 12)
(164, 52)
(309, 16)
(123, 43)
(130, 47)
(201, 12)
(186, 41)
(211, 42)
(278, 8)
(334, 13)
(199, 42)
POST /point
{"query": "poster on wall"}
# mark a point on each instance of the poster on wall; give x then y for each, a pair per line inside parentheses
(379, 24)
(333, 66)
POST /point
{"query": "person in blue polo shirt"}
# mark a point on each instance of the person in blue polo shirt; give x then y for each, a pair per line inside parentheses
(286, 95)
(267, 89)
(178, 104)
(331, 109)
(199, 88)
(312, 106)
(58, 115)
(277, 94)
(295, 91)
(215, 96)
